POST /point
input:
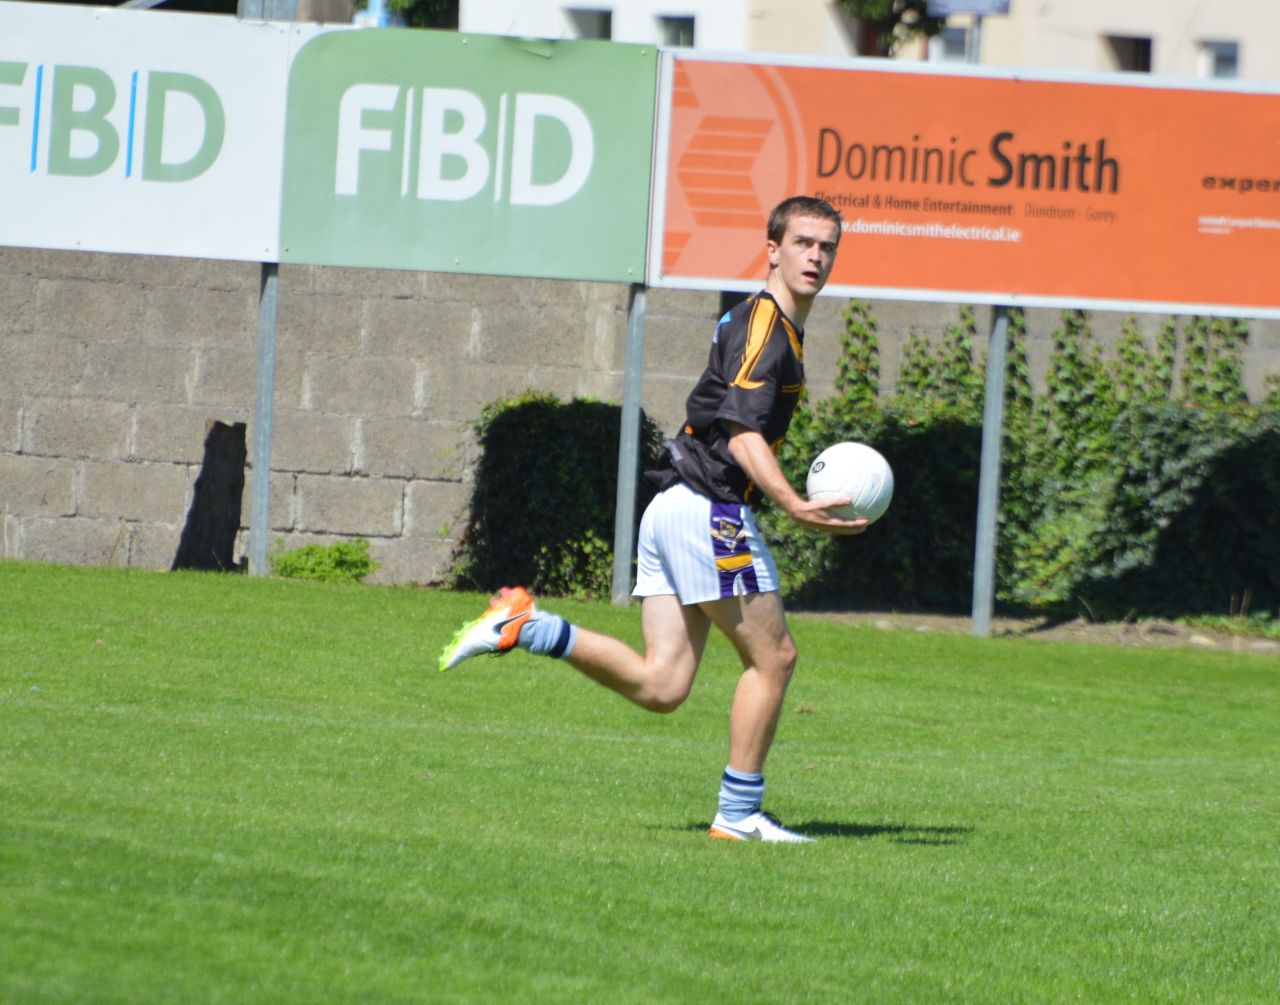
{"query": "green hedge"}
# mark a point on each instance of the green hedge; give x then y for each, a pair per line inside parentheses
(543, 506)
(1192, 517)
(1123, 491)
(340, 562)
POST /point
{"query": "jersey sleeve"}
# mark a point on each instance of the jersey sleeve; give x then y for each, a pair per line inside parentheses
(753, 386)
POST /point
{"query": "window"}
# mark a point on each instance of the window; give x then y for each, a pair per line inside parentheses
(951, 45)
(676, 31)
(591, 23)
(1219, 59)
(1132, 55)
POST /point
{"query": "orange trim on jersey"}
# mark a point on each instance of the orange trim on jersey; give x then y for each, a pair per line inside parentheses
(763, 312)
(797, 346)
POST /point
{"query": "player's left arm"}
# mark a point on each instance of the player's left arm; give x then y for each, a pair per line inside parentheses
(754, 456)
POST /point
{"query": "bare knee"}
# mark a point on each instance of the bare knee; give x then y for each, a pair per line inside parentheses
(783, 664)
(664, 699)
(665, 691)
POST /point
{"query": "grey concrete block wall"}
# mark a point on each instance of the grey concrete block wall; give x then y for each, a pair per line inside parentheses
(111, 366)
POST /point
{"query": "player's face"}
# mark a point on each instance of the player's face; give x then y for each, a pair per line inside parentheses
(805, 255)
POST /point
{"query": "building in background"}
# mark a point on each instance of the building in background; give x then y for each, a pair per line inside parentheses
(1224, 39)
(814, 27)
(1188, 38)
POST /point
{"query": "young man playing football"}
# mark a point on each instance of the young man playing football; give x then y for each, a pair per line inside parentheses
(702, 561)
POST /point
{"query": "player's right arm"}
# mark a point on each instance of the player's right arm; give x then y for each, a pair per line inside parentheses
(755, 457)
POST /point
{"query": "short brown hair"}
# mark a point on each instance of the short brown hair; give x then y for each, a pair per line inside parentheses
(800, 205)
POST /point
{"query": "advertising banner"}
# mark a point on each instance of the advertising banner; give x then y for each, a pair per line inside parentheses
(141, 132)
(976, 187)
(462, 153)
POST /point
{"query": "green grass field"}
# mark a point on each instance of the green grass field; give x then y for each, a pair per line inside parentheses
(218, 789)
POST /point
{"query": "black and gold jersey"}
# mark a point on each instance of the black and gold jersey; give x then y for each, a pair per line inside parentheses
(754, 376)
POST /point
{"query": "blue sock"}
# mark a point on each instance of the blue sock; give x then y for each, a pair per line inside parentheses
(741, 794)
(548, 635)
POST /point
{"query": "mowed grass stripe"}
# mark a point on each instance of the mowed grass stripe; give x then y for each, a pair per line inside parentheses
(221, 789)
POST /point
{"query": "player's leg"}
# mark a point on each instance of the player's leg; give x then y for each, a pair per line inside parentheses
(512, 619)
(658, 679)
(661, 677)
(757, 627)
(675, 634)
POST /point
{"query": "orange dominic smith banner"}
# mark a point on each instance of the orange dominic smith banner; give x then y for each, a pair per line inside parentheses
(976, 187)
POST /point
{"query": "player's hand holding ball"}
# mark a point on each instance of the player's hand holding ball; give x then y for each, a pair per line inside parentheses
(856, 478)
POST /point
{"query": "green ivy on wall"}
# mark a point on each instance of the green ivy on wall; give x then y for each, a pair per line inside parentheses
(1138, 480)
(1120, 492)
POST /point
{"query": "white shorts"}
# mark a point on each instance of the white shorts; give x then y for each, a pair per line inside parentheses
(701, 550)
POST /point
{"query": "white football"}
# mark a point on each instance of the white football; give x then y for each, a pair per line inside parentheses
(857, 471)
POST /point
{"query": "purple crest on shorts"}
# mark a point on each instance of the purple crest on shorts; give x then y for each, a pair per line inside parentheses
(732, 550)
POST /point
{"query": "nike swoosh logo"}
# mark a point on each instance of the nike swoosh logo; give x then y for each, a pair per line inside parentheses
(739, 833)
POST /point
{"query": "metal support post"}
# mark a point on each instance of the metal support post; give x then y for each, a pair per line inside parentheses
(268, 311)
(984, 560)
(624, 521)
(259, 506)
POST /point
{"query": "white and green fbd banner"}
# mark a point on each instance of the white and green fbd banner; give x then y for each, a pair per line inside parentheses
(449, 152)
(154, 133)
(141, 131)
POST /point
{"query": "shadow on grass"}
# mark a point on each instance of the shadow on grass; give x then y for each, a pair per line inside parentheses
(897, 833)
